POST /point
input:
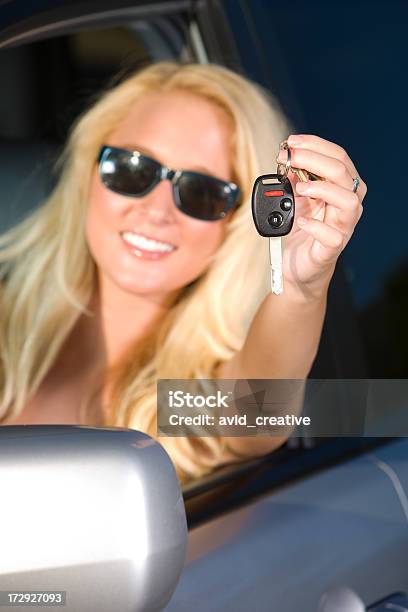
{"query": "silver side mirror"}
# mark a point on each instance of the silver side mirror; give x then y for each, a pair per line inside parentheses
(95, 513)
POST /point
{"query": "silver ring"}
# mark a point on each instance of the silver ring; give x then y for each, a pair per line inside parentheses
(356, 184)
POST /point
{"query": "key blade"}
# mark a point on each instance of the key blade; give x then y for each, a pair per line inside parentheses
(275, 258)
(301, 174)
(307, 175)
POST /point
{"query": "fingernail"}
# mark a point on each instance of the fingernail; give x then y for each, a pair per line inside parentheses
(295, 139)
(302, 187)
(302, 220)
(282, 157)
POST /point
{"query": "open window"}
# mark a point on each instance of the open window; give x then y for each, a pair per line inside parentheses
(52, 64)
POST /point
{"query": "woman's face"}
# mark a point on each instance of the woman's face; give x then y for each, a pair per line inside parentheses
(182, 131)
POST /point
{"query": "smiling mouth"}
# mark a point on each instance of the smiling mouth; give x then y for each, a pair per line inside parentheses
(138, 241)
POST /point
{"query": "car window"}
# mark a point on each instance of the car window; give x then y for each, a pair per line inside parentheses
(50, 81)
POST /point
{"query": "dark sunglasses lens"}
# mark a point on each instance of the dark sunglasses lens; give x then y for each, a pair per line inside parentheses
(204, 197)
(128, 173)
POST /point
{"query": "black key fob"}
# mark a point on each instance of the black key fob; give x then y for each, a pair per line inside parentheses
(273, 206)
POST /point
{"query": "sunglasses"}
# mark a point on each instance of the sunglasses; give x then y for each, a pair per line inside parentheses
(198, 195)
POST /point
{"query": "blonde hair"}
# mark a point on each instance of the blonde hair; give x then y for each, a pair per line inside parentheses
(47, 274)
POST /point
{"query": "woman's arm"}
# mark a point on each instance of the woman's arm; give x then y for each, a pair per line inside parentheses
(283, 338)
(282, 343)
(284, 335)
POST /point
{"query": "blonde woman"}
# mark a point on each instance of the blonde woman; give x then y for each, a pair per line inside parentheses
(129, 272)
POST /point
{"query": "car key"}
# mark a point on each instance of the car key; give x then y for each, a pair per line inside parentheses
(273, 210)
(306, 175)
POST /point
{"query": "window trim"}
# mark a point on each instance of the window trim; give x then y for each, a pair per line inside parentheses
(65, 20)
(235, 486)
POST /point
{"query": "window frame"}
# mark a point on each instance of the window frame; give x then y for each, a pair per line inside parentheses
(211, 37)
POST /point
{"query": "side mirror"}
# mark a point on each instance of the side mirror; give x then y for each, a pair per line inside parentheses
(96, 513)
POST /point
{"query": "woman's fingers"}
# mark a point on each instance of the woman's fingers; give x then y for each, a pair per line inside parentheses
(326, 147)
(342, 170)
(330, 240)
(330, 168)
(339, 197)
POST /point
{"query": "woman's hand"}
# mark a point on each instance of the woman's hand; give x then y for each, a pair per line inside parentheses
(330, 208)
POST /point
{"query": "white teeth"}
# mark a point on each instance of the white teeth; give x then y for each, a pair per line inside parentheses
(147, 244)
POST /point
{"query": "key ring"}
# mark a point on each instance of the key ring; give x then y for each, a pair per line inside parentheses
(303, 175)
(284, 145)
